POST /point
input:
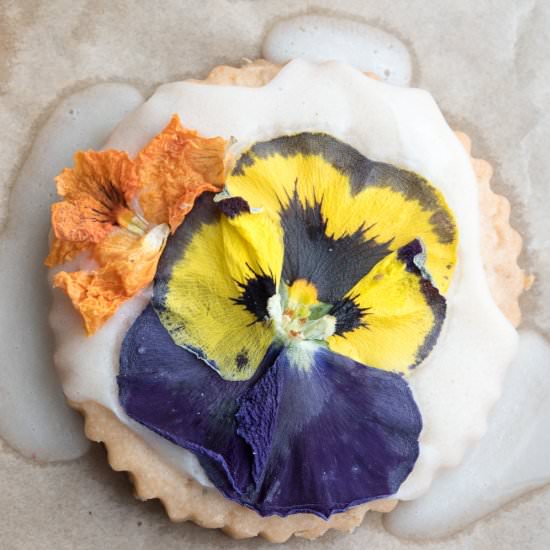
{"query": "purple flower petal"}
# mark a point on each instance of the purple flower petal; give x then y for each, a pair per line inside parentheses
(172, 392)
(344, 434)
(315, 438)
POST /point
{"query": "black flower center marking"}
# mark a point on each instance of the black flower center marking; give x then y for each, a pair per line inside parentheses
(256, 291)
(233, 206)
(333, 265)
(241, 360)
(349, 315)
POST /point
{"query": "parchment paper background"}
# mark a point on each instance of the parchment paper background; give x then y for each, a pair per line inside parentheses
(487, 63)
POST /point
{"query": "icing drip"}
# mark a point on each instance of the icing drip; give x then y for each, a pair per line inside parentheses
(512, 458)
(34, 418)
(322, 38)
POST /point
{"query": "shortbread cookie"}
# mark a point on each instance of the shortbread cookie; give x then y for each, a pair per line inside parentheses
(153, 476)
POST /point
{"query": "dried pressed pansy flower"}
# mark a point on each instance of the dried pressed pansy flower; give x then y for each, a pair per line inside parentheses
(285, 317)
(120, 211)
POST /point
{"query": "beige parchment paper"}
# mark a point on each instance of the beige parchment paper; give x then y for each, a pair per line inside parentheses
(485, 61)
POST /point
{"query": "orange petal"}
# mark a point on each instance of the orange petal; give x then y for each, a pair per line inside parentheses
(134, 259)
(95, 190)
(174, 169)
(63, 251)
(95, 295)
(98, 172)
(128, 264)
(78, 220)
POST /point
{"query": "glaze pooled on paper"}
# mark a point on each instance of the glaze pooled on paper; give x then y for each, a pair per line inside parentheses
(34, 418)
(511, 459)
(323, 38)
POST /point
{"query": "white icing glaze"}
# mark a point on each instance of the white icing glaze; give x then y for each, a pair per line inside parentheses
(87, 367)
(461, 380)
(511, 459)
(34, 418)
(325, 38)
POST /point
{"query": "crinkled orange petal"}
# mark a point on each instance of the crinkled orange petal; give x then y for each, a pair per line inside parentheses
(95, 295)
(127, 265)
(134, 259)
(94, 170)
(63, 251)
(100, 184)
(174, 169)
(78, 220)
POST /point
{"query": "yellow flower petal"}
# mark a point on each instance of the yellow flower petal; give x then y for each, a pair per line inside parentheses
(211, 301)
(401, 314)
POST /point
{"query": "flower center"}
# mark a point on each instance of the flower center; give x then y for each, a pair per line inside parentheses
(131, 221)
(298, 315)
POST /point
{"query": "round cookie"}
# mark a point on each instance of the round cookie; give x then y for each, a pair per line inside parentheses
(186, 499)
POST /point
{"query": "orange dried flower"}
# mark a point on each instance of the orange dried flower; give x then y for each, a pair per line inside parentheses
(118, 209)
(132, 258)
(95, 295)
(96, 193)
(63, 251)
(128, 264)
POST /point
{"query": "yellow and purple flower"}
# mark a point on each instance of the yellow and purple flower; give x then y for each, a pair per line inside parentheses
(287, 312)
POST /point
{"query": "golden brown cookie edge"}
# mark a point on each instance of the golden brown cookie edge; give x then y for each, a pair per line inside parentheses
(186, 500)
